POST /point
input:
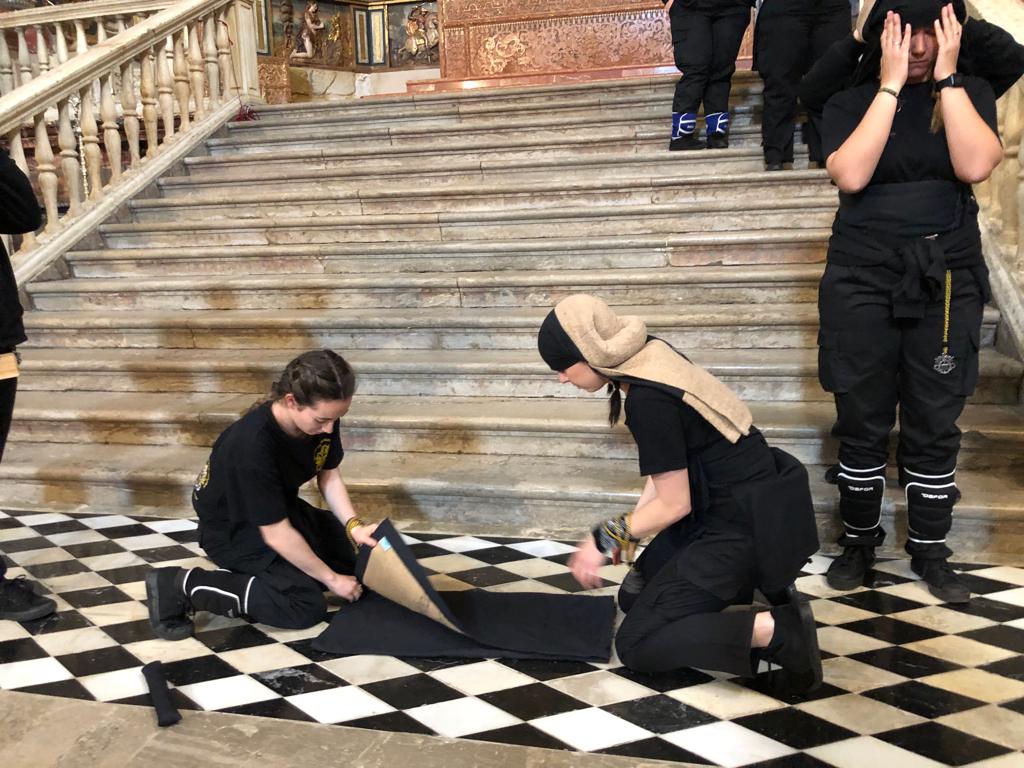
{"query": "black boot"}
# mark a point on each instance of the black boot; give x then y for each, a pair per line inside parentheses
(19, 601)
(168, 604)
(849, 569)
(794, 645)
(631, 588)
(942, 580)
(687, 141)
(718, 141)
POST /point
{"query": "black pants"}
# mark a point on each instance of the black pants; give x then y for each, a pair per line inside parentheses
(678, 620)
(280, 594)
(705, 45)
(787, 45)
(874, 363)
(8, 389)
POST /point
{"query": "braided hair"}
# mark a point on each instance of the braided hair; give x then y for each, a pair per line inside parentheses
(315, 376)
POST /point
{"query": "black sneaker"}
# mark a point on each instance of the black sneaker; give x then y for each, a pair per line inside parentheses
(19, 602)
(630, 589)
(849, 569)
(718, 141)
(168, 606)
(794, 646)
(685, 142)
(774, 167)
(942, 580)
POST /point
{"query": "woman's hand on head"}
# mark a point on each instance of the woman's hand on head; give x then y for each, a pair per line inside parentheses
(585, 562)
(345, 587)
(948, 30)
(895, 62)
(363, 535)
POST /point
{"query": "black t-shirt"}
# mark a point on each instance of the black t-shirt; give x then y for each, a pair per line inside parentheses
(669, 433)
(913, 152)
(253, 478)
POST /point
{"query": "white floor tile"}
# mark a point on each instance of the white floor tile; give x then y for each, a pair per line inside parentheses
(481, 677)
(543, 548)
(172, 526)
(534, 569)
(368, 669)
(590, 729)
(1012, 596)
(978, 684)
(166, 650)
(115, 613)
(75, 582)
(116, 560)
(40, 556)
(1005, 573)
(74, 641)
(16, 534)
(601, 688)
(44, 518)
(260, 658)
(149, 541)
(106, 521)
(120, 684)
(462, 716)
(12, 630)
(463, 544)
(869, 751)
(725, 700)
(227, 692)
(19, 674)
(728, 744)
(337, 705)
(75, 537)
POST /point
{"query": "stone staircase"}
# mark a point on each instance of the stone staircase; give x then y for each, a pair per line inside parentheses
(425, 237)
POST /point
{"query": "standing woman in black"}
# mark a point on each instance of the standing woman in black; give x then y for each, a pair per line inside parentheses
(728, 514)
(902, 296)
(706, 38)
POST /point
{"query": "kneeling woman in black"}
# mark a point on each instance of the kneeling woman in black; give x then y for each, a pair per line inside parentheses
(276, 553)
(728, 513)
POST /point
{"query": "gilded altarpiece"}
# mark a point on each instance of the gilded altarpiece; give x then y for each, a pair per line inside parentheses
(493, 38)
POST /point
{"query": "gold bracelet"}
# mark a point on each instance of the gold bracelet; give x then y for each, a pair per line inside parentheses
(353, 523)
(890, 91)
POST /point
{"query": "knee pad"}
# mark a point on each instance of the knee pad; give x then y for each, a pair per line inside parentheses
(683, 124)
(222, 592)
(860, 498)
(717, 123)
(930, 501)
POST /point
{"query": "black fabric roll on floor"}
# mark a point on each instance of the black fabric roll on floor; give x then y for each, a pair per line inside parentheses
(404, 615)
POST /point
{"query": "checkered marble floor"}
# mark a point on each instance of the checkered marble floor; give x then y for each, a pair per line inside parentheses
(908, 682)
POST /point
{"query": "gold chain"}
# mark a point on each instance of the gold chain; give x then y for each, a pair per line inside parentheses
(945, 318)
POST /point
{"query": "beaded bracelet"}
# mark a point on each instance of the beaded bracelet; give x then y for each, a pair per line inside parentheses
(353, 523)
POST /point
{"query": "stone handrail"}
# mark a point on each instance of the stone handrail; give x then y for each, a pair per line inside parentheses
(32, 41)
(120, 103)
(1002, 196)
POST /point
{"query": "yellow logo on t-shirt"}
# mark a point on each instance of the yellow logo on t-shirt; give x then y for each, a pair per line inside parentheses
(203, 478)
(320, 457)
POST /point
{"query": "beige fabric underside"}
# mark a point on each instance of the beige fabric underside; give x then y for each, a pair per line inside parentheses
(387, 575)
(8, 366)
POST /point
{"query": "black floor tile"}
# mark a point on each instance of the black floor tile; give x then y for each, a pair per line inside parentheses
(655, 749)
(877, 602)
(660, 714)
(6, 523)
(1017, 705)
(21, 649)
(562, 559)
(423, 551)
(523, 734)
(126, 531)
(26, 545)
(395, 722)
(665, 681)
(56, 622)
(567, 583)
(94, 549)
(499, 555)
(528, 702)
(945, 745)
(65, 689)
(130, 631)
(292, 681)
(63, 526)
(488, 576)
(795, 728)
(98, 660)
(411, 691)
(233, 638)
(1012, 667)
(198, 670)
(58, 568)
(979, 585)
(1010, 638)
(796, 760)
(305, 647)
(905, 662)
(924, 700)
(276, 708)
(87, 598)
(165, 554)
(780, 687)
(432, 664)
(126, 574)
(891, 630)
(541, 669)
(994, 610)
(877, 579)
(184, 537)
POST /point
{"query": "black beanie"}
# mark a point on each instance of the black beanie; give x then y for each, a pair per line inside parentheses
(555, 346)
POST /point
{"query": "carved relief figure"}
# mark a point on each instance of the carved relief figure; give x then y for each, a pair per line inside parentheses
(416, 38)
(309, 41)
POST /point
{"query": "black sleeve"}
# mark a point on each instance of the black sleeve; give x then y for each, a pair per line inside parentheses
(984, 100)
(655, 421)
(19, 209)
(830, 74)
(843, 114)
(991, 53)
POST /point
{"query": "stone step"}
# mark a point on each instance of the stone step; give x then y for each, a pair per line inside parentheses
(694, 249)
(771, 326)
(556, 427)
(344, 198)
(581, 221)
(779, 375)
(510, 495)
(666, 285)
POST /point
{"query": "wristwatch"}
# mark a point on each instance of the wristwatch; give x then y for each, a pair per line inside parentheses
(956, 80)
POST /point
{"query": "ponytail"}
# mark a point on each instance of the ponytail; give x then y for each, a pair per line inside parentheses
(614, 403)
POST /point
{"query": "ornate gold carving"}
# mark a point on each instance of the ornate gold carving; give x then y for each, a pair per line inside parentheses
(453, 51)
(273, 73)
(490, 11)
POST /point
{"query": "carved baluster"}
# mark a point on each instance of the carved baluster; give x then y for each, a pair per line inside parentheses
(6, 67)
(42, 50)
(69, 165)
(47, 173)
(101, 31)
(61, 43)
(163, 89)
(195, 69)
(210, 53)
(129, 104)
(111, 132)
(224, 53)
(181, 88)
(17, 152)
(148, 90)
(24, 59)
(91, 143)
(81, 42)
